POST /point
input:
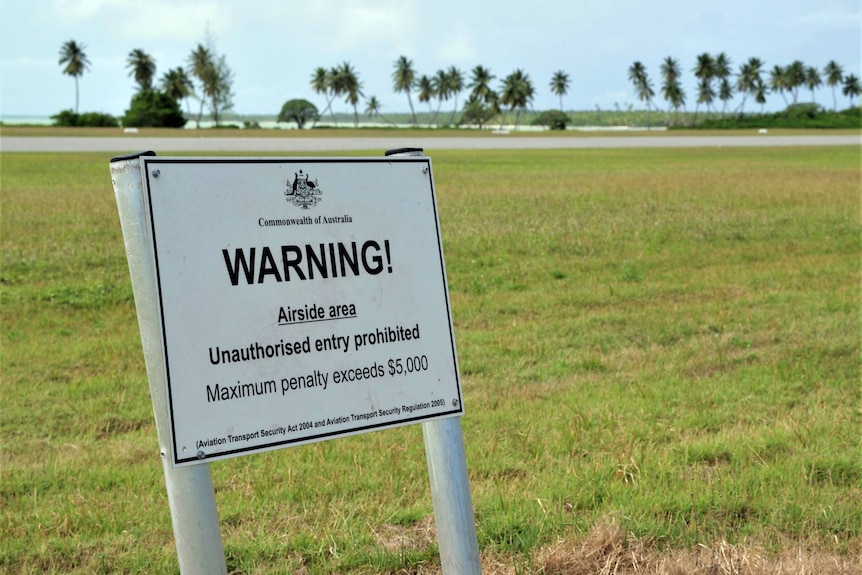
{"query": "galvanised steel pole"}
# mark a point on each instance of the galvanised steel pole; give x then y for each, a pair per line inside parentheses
(450, 492)
(450, 483)
(190, 490)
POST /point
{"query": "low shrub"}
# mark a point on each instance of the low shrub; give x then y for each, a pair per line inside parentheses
(154, 109)
(68, 118)
(553, 119)
(806, 115)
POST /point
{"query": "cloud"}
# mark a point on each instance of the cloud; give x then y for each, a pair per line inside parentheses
(458, 45)
(835, 19)
(29, 63)
(176, 20)
(343, 25)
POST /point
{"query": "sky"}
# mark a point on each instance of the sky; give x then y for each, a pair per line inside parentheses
(273, 46)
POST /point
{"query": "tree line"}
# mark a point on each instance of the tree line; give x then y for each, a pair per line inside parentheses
(208, 78)
(515, 91)
(715, 79)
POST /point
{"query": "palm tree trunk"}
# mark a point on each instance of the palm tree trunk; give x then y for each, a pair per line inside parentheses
(412, 112)
(331, 111)
(200, 113)
(436, 112)
(454, 111)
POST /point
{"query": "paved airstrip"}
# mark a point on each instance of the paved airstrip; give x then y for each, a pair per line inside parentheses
(132, 143)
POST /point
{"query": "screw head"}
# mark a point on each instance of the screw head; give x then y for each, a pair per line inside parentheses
(156, 173)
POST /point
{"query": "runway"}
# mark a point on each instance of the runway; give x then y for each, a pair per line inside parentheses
(132, 143)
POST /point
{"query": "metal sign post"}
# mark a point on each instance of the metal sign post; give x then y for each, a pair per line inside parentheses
(450, 482)
(191, 497)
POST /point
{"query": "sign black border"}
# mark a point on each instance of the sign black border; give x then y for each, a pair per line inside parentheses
(149, 162)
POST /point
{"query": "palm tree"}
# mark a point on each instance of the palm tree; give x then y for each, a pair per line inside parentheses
(722, 71)
(403, 80)
(441, 90)
(851, 87)
(372, 109)
(560, 85)
(517, 92)
(669, 74)
(812, 80)
(177, 84)
(643, 85)
(336, 88)
(480, 83)
(705, 95)
(834, 76)
(704, 70)
(455, 80)
(671, 89)
(218, 88)
(73, 56)
(760, 92)
(795, 78)
(778, 81)
(748, 80)
(725, 93)
(200, 65)
(142, 68)
(320, 84)
(348, 84)
(215, 78)
(722, 66)
(425, 86)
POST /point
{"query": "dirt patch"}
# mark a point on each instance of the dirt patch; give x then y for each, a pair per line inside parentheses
(609, 550)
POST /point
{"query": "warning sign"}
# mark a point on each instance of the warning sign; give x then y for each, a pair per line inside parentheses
(301, 299)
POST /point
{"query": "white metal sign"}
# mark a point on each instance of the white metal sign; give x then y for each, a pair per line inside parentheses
(301, 299)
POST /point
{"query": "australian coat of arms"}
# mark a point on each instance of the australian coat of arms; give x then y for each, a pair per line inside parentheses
(303, 192)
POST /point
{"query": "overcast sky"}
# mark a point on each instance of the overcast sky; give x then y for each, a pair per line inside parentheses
(273, 46)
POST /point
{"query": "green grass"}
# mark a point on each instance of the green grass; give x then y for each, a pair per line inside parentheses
(669, 339)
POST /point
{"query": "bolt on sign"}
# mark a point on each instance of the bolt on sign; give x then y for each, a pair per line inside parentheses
(301, 299)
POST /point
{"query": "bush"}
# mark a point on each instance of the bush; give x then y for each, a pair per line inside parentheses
(477, 113)
(805, 110)
(553, 119)
(299, 111)
(68, 118)
(806, 115)
(153, 109)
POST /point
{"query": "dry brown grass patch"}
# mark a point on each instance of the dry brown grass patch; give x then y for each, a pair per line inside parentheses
(416, 536)
(608, 550)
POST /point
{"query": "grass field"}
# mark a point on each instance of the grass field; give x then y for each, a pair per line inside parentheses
(660, 353)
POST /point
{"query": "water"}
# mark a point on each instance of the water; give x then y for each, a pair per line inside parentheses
(27, 120)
